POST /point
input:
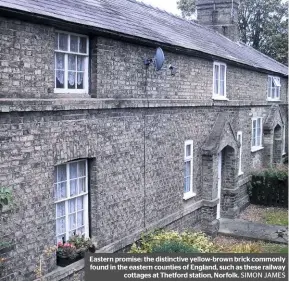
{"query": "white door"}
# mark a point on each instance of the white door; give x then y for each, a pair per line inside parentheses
(219, 184)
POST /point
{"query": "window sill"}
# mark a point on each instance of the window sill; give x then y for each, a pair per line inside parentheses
(189, 195)
(255, 149)
(273, 100)
(220, 98)
(240, 173)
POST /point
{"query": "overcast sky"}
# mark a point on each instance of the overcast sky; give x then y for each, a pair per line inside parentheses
(168, 5)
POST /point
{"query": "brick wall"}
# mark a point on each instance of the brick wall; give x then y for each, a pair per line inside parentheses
(26, 59)
(135, 154)
(117, 70)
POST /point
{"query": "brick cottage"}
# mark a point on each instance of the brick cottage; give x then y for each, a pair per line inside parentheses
(94, 141)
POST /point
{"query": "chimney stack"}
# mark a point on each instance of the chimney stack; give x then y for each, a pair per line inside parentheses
(221, 15)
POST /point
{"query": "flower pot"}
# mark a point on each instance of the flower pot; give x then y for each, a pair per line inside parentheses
(65, 261)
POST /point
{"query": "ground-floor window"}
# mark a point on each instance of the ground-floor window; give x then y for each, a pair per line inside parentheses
(188, 167)
(71, 200)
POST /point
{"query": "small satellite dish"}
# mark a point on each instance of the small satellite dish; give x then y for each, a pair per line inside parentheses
(158, 59)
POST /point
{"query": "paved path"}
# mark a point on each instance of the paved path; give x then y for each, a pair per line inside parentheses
(252, 230)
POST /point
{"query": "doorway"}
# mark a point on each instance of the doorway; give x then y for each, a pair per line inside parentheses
(226, 179)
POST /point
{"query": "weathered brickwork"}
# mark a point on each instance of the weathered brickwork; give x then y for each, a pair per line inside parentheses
(135, 149)
(26, 59)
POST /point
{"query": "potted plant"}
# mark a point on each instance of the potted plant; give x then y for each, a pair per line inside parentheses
(66, 254)
(82, 244)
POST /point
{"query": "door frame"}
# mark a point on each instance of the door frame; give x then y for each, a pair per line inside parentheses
(219, 184)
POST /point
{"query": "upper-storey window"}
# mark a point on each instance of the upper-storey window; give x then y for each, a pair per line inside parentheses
(71, 63)
(274, 87)
(219, 87)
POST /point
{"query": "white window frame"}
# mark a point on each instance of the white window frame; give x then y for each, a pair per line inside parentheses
(240, 134)
(284, 140)
(257, 147)
(273, 93)
(216, 94)
(189, 194)
(66, 90)
(68, 197)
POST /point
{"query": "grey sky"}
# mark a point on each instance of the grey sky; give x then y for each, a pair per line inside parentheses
(168, 5)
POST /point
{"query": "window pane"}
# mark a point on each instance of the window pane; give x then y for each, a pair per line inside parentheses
(82, 45)
(59, 79)
(73, 170)
(80, 221)
(60, 209)
(61, 238)
(80, 80)
(59, 61)
(72, 62)
(63, 42)
(61, 191)
(80, 63)
(81, 168)
(60, 226)
(187, 184)
(80, 231)
(80, 203)
(73, 43)
(82, 185)
(71, 80)
(73, 188)
(61, 173)
(222, 73)
(72, 206)
(187, 168)
(188, 150)
(222, 87)
(72, 221)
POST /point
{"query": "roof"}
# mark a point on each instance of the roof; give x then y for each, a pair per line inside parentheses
(143, 21)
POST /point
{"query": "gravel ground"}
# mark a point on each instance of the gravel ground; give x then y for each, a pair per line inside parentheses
(226, 243)
(257, 213)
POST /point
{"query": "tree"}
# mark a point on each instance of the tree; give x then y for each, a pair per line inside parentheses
(262, 24)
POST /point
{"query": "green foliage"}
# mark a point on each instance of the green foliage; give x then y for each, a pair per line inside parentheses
(187, 7)
(196, 240)
(278, 217)
(274, 248)
(80, 241)
(263, 24)
(174, 246)
(247, 248)
(5, 197)
(269, 187)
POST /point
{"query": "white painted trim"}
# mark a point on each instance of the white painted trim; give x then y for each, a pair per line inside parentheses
(217, 96)
(68, 197)
(65, 90)
(284, 140)
(256, 148)
(189, 195)
(220, 98)
(219, 185)
(277, 85)
(240, 133)
(189, 158)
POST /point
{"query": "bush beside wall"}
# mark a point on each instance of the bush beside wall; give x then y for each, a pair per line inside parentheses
(269, 187)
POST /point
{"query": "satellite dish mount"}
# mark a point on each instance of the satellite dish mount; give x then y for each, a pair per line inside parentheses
(158, 59)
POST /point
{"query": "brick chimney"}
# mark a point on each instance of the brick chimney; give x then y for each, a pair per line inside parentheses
(221, 15)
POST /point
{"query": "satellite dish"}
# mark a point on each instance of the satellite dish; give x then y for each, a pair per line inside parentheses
(158, 59)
